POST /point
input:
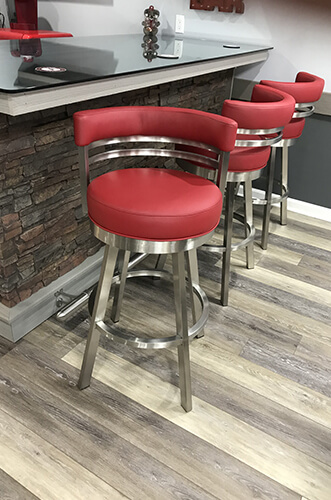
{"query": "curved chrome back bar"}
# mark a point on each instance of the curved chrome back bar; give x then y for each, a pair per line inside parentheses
(265, 137)
(206, 155)
(303, 109)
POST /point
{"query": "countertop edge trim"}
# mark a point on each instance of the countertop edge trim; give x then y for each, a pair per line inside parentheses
(15, 104)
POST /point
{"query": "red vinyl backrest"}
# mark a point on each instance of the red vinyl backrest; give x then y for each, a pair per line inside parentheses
(96, 124)
(268, 109)
(306, 88)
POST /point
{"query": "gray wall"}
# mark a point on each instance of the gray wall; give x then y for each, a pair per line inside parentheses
(309, 157)
(310, 163)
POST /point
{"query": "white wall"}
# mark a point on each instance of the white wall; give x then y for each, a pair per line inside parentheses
(299, 30)
(93, 17)
(3, 10)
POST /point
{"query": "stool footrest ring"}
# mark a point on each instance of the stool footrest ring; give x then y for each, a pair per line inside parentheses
(275, 199)
(156, 343)
(281, 197)
(79, 301)
(234, 246)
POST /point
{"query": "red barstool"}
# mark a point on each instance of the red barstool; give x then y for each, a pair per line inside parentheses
(306, 90)
(151, 210)
(260, 122)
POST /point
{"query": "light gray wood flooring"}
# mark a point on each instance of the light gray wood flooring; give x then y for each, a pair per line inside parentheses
(261, 421)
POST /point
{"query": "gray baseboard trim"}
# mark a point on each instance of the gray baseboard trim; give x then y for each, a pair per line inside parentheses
(17, 321)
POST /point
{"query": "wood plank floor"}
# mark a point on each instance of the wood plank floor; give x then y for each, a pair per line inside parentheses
(261, 421)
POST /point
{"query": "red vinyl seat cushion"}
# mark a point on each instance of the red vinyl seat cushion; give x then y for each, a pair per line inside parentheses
(248, 159)
(154, 204)
(294, 129)
(242, 159)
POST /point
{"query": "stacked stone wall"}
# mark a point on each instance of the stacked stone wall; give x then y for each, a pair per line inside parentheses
(43, 234)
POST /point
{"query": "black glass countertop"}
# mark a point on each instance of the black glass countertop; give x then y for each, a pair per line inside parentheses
(36, 64)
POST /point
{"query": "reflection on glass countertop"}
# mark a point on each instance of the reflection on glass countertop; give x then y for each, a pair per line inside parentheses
(34, 64)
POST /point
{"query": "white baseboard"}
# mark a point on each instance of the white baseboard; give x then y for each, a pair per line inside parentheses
(303, 208)
(17, 321)
(298, 206)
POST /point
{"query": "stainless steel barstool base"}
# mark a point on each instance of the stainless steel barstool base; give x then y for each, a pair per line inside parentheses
(156, 343)
(182, 252)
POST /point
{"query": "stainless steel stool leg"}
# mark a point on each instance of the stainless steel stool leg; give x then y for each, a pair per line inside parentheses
(193, 277)
(268, 197)
(99, 310)
(228, 223)
(160, 263)
(283, 203)
(119, 289)
(236, 191)
(178, 264)
(248, 199)
(161, 260)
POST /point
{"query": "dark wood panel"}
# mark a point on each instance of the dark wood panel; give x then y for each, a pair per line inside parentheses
(302, 371)
(12, 490)
(53, 337)
(5, 346)
(323, 267)
(309, 229)
(225, 321)
(320, 278)
(295, 303)
(297, 246)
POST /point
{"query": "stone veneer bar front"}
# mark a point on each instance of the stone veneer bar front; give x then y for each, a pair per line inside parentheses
(42, 232)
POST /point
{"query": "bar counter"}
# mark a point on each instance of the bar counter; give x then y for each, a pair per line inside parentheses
(45, 242)
(105, 65)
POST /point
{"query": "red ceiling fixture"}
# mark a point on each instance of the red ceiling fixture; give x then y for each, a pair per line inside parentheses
(223, 5)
